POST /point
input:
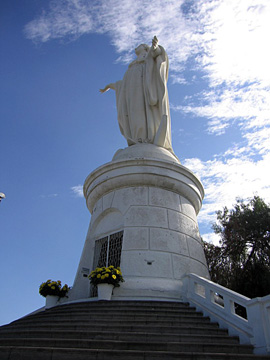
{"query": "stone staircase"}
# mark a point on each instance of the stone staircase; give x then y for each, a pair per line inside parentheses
(128, 330)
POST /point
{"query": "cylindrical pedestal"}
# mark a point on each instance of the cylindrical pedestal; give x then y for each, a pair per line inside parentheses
(154, 200)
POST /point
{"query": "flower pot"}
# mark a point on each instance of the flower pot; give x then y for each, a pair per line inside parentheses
(105, 291)
(51, 301)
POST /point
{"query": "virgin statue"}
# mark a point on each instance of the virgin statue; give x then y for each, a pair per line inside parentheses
(142, 98)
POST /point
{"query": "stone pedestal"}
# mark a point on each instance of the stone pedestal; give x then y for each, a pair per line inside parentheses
(147, 194)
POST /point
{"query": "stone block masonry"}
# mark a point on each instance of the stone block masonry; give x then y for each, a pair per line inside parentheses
(146, 193)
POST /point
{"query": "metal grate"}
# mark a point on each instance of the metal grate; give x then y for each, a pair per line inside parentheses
(107, 252)
(100, 254)
(115, 249)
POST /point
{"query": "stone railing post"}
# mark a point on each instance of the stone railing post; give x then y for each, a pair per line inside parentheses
(258, 312)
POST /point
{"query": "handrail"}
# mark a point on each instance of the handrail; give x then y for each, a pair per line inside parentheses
(247, 318)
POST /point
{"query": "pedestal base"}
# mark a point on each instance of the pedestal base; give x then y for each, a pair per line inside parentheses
(154, 200)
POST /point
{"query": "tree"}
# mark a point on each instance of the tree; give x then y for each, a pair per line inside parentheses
(242, 262)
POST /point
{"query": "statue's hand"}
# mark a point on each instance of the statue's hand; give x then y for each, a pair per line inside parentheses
(104, 90)
(107, 87)
(155, 42)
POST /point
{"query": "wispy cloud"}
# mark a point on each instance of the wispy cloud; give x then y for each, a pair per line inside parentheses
(63, 18)
(235, 41)
(226, 179)
(212, 238)
(49, 196)
(126, 22)
(247, 105)
(235, 60)
(77, 190)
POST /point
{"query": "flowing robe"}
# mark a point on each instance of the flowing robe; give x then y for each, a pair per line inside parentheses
(142, 101)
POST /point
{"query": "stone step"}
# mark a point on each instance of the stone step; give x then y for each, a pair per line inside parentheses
(117, 305)
(211, 328)
(112, 316)
(129, 345)
(123, 336)
(126, 310)
(31, 353)
(59, 310)
(117, 322)
(129, 303)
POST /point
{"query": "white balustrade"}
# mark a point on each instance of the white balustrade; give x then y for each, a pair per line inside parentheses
(247, 318)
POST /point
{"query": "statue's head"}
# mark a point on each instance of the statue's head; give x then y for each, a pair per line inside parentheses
(141, 48)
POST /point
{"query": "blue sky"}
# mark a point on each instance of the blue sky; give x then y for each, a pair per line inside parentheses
(56, 127)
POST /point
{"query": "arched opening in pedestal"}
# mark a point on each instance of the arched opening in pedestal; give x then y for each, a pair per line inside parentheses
(108, 239)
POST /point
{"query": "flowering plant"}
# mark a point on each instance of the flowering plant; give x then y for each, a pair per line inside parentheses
(106, 275)
(53, 288)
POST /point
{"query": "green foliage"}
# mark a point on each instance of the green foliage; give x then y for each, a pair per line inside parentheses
(242, 262)
(106, 275)
(219, 267)
(53, 288)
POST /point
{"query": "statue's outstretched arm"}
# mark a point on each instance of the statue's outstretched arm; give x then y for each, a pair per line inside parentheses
(108, 87)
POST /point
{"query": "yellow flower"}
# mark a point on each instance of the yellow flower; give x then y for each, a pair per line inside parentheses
(50, 285)
(53, 287)
(102, 277)
(114, 277)
(98, 276)
(117, 272)
(106, 275)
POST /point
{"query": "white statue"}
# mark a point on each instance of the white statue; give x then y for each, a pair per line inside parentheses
(142, 98)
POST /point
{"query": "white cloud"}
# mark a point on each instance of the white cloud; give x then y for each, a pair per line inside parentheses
(49, 196)
(226, 179)
(64, 18)
(211, 238)
(77, 190)
(235, 61)
(258, 140)
(248, 105)
(235, 40)
(241, 171)
(126, 22)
